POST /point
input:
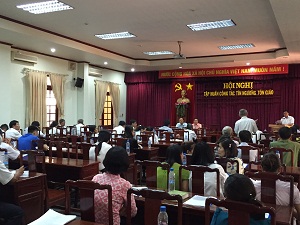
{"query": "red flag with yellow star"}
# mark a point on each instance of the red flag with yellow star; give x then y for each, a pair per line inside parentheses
(183, 101)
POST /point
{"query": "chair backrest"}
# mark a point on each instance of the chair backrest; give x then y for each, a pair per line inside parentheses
(153, 201)
(150, 134)
(59, 145)
(119, 141)
(38, 143)
(85, 148)
(198, 178)
(245, 152)
(268, 185)
(35, 160)
(283, 151)
(150, 171)
(238, 212)
(179, 134)
(143, 138)
(224, 162)
(86, 191)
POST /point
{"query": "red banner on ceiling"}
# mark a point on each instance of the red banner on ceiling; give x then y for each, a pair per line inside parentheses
(225, 71)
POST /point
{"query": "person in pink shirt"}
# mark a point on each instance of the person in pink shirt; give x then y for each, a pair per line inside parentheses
(196, 124)
(116, 162)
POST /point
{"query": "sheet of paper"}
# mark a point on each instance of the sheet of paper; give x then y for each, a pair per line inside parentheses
(196, 200)
(52, 217)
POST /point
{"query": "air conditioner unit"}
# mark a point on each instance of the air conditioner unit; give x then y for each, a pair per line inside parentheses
(15, 55)
(95, 72)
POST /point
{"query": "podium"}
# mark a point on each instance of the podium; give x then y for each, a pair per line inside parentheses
(275, 127)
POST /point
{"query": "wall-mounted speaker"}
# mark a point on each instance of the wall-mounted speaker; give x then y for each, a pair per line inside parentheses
(79, 82)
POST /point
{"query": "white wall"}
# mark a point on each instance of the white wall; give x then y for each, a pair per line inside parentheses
(79, 102)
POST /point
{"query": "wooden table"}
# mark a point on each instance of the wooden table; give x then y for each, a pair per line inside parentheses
(28, 193)
(196, 214)
(82, 222)
(62, 169)
(147, 153)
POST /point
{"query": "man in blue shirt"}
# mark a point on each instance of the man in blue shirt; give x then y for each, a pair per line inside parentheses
(25, 142)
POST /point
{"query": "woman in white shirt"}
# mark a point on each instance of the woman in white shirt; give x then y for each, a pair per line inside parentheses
(203, 155)
(101, 149)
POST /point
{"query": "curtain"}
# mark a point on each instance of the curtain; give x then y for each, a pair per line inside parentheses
(58, 87)
(149, 99)
(101, 90)
(114, 91)
(36, 97)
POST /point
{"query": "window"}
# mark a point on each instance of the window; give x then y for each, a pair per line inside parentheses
(52, 114)
(107, 116)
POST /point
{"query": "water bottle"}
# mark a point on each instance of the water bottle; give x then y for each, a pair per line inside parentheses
(171, 180)
(128, 147)
(184, 159)
(5, 160)
(278, 154)
(74, 131)
(162, 218)
(149, 143)
(84, 137)
(204, 132)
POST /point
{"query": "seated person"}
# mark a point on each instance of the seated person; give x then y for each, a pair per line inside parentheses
(116, 162)
(239, 188)
(196, 124)
(129, 134)
(120, 129)
(189, 134)
(155, 135)
(4, 127)
(37, 124)
(62, 124)
(12, 153)
(12, 214)
(228, 149)
(25, 141)
(101, 149)
(174, 159)
(79, 125)
(181, 124)
(53, 129)
(245, 138)
(286, 120)
(202, 155)
(271, 163)
(138, 130)
(133, 123)
(285, 142)
(188, 147)
(14, 130)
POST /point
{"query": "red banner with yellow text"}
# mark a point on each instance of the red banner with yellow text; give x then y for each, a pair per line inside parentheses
(225, 71)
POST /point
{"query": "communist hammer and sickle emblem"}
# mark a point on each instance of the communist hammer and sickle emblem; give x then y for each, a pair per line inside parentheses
(178, 87)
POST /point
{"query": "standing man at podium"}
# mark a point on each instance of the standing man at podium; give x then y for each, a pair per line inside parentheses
(287, 120)
(245, 123)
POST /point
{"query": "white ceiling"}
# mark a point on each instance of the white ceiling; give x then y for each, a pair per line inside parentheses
(271, 25)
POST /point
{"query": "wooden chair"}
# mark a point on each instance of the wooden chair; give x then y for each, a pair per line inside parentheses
(86, 189)
(268, 185)
(238, 212)
(143, 139)
(245, 153)
(150, 169)
(120, 141)
(150, 134)
(256, 166)
(85, 149)
(225, 161)
(198, 178)
(153, 201)
(60, 145)
(36, 163)
(283, 151)
(38, 144)
(179, 134)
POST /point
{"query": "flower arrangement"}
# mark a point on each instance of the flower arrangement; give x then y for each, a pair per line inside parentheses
(181, 108)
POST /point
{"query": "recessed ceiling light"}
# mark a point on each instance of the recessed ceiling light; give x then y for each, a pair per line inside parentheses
(44, 7)
(230, 47)
(247, 63)
(180, 67)
(105, 63)
(211, 25)
(115, 35)
(159, 53)
(52, 49)
(132, 69)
